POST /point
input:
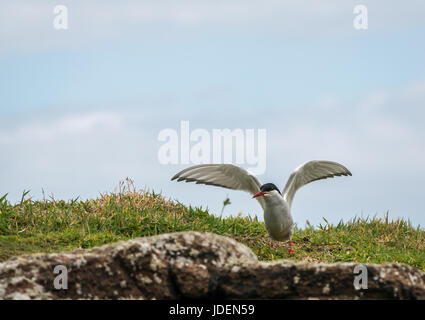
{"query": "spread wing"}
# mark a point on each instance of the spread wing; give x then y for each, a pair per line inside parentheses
(222, 175)
(309, 172)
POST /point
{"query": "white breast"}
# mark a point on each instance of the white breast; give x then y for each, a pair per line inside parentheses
(277, 217)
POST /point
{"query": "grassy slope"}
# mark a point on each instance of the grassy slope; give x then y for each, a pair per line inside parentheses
(51, 226)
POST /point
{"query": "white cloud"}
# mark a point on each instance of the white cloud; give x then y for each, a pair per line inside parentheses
(70, 125)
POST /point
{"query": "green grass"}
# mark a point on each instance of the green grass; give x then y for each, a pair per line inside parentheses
(51, 226)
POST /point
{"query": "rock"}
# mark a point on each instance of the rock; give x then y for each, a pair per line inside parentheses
(161, 267)
(286, 280)
(196, 265)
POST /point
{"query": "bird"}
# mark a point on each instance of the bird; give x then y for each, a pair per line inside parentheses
(276, 205)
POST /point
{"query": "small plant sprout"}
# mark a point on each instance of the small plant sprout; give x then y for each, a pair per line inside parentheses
(226, 202)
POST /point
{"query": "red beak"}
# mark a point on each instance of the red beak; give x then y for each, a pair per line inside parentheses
(259, 194)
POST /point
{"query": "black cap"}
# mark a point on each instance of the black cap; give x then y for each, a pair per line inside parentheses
(269, 187)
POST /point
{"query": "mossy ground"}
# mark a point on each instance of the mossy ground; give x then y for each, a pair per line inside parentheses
(51, 226)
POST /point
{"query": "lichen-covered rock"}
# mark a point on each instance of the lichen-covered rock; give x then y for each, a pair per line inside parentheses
(287, 280)
(145, 268)
(196, 265)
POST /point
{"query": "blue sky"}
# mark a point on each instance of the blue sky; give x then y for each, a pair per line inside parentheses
(81, 108)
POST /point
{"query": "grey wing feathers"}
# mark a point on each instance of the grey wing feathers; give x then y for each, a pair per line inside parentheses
(309, 172)
(222, 175)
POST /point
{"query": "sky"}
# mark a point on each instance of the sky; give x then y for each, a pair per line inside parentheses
(81, 109)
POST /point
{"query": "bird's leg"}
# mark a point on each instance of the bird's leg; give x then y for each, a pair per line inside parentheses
(290, 248)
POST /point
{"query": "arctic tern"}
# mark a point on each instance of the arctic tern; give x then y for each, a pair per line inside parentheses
(276, 205)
